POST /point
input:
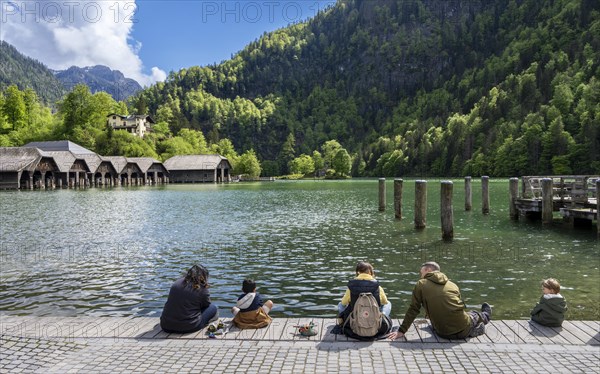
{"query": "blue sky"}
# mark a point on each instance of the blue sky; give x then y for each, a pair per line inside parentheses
(176, 34)
(144, 39)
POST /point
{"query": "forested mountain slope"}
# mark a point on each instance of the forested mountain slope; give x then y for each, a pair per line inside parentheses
(425, 87)
(25, 72)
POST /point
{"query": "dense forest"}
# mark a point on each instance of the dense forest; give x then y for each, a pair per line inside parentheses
(82, 117)
(392, 88)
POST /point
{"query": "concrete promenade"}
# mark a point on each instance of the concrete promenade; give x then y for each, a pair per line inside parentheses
(136, 345)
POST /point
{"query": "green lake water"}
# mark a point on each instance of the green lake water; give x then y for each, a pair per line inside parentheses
(115, 252)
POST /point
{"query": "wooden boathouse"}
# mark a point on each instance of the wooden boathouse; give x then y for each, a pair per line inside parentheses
(128, 172)
(64, 164)
(25, 167)
(77, 164)
(199, 169)
(154, 170)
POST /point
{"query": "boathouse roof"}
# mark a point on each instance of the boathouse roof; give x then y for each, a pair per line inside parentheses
(60, 145)
(93, 160)
(195, 162)
(64, 160)
(144, 163)
(118, 162)
(15, 159)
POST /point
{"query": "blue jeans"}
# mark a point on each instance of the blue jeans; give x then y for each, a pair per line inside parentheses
(385, 308)
(210, 313)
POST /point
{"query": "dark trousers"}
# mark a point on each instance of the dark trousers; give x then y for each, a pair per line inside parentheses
(209, 314)
(477, 327)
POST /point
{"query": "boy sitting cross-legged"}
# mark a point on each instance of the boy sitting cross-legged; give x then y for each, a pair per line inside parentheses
(250, 311)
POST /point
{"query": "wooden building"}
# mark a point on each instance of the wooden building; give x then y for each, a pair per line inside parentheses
(58, 164)
(198, 169)
(128, 172)
(102, 172)
(77, 165)
(24, 167)
(72, 170)
(154, 172)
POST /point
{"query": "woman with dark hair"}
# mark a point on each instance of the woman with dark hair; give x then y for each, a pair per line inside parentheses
(188, 307)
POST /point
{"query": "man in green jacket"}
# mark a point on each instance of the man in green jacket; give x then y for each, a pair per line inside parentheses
(443, 306)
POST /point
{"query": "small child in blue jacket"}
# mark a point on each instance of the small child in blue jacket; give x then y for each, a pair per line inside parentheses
(250, 311)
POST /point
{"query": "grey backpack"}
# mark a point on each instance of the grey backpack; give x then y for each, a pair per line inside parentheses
(365, 318)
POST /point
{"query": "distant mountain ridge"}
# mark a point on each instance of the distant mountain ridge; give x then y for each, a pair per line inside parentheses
(25, 72)
(99, 78)
(50, 85)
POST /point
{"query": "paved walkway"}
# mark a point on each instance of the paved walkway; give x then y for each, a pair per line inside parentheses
(113, 345)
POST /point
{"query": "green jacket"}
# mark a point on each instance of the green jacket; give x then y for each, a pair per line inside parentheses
(550, 311)
(443, 305)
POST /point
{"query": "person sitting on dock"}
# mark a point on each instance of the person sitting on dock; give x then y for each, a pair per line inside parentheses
(443, 306)
(364, 285)
(188, 307)
(550, 311)
(250, 311)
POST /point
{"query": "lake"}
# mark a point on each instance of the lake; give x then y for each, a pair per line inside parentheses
(115, 252)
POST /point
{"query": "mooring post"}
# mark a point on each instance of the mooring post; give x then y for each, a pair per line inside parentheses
(513, 190)
(381, 194)
(485, 194)
(446, 209)
(547, 200)
(398, 198)
(468, 194)
(420, 204)
(598, 206)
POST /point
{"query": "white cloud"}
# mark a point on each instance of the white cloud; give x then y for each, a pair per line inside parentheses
(158, 75)
(81, 33)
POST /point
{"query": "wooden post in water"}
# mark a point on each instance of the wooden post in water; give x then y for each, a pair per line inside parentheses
(547, 200)
(446, 209)
(468, 194)
(420, 204)
(381, 194)
(398, 198)
(598, 207)
(513, 191)
(485, 194)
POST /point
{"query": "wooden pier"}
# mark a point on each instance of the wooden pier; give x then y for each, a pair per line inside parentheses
(284, 329)
(575, 197)
(137, 344)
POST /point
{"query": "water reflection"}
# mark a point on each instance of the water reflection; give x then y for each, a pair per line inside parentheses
(116, 252)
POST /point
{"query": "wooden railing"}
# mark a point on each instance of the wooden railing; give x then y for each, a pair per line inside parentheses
(574, 188)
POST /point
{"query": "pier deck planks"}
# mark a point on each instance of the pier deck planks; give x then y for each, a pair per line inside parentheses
(283, 329)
